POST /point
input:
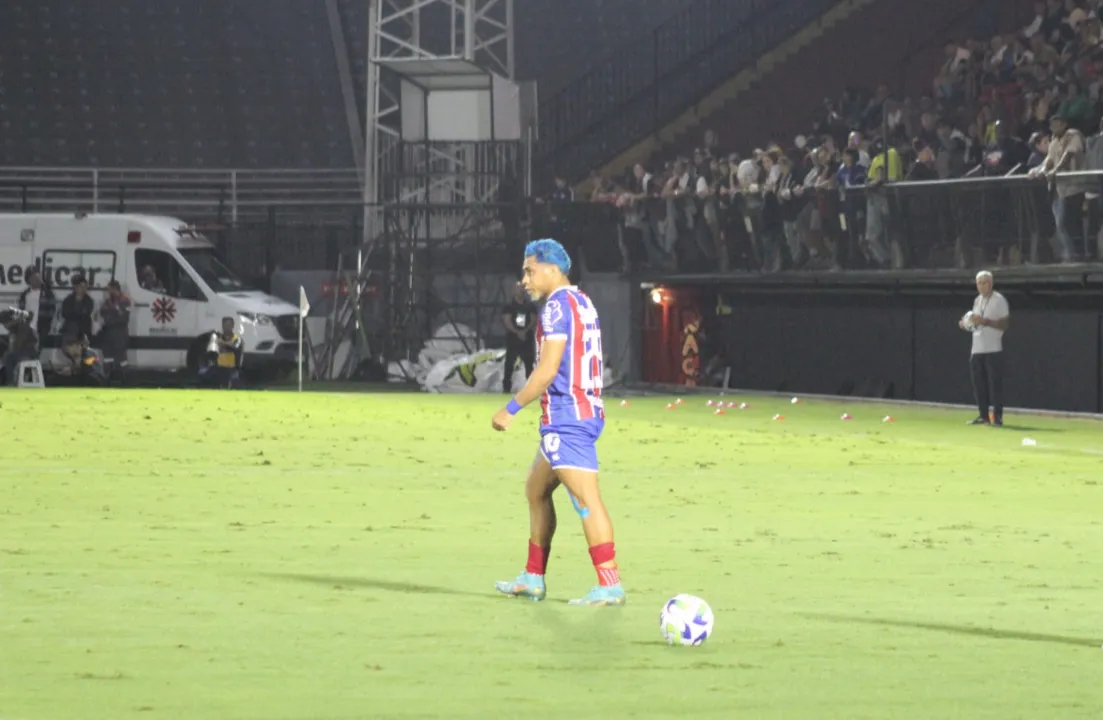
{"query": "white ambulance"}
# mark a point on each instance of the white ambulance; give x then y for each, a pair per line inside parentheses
(178, 289)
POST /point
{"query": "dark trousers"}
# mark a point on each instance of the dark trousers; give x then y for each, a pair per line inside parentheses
(526, 351)
(987, 370)
(11, 365)
(228, 377)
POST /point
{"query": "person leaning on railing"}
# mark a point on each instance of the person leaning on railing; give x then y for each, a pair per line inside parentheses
(1066, 154)
(885, 166)
(1092, 197)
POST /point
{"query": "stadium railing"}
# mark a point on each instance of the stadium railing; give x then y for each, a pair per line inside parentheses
(971, 221)
(228, 195)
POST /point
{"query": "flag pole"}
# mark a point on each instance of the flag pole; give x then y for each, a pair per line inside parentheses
(304, 310)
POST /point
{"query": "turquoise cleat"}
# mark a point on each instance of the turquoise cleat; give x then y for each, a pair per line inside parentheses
(602, 595)
(527, 585)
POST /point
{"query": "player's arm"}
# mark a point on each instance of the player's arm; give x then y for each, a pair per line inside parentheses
(555, 327)
(999, 323)
(551, 354)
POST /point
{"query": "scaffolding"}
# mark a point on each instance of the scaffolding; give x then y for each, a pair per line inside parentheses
(448, 142)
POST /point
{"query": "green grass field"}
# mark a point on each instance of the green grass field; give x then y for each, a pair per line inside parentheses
(276, 556)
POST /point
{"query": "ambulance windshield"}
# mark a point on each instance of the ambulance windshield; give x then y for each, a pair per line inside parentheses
(220, 278)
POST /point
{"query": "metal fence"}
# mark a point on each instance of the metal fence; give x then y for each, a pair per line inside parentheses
(227, 195)
(967, 222)
(940, 224)
(306, 219)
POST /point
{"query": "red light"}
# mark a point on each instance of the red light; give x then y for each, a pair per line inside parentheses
(342, 289)
(133, 237)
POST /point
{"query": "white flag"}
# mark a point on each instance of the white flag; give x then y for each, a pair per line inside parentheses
(304, 304)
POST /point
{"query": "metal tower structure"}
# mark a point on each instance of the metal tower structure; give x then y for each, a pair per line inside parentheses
(445, 167)
(436, 45)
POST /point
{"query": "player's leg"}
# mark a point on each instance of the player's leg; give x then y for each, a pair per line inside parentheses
(598, 528)
(573, 456)
(539, 486)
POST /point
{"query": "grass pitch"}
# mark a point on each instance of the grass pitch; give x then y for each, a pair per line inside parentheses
(275, 556)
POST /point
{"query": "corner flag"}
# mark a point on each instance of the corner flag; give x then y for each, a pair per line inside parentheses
(304, 310)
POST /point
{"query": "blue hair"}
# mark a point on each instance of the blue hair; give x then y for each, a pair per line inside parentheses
(549, 251)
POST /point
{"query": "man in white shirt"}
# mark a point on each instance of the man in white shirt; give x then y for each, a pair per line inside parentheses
(38, 300)
(988, 321)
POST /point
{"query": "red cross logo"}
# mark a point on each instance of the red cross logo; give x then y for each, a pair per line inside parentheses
(164, 310)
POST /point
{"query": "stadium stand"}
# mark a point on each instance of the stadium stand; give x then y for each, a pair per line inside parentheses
(209, 84)
(964, 90)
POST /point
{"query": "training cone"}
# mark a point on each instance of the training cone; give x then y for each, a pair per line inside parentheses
(678, 401)
(779, 417)
(795, 400)
(670, 406)
(731, 404)
(710, 403)
(847, 416)
(719, 412)
(743, 406)
(624, 403)
(887, 419)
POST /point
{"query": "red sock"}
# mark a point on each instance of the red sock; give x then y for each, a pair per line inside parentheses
(601, 554)
(538, 559)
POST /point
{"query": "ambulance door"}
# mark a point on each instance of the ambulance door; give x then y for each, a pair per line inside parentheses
(16, 255)
(166, 311)
(70, 247)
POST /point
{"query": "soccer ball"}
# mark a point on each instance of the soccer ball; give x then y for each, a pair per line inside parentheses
(686, 620)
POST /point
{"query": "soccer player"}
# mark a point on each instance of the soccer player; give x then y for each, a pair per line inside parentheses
(567, 381)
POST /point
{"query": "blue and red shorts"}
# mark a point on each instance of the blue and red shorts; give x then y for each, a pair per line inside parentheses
(571, 446)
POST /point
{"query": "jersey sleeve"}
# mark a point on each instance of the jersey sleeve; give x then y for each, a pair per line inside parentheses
(555, 321)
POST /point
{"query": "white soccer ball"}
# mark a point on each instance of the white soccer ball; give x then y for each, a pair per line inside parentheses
(968, 321)
(686, 620)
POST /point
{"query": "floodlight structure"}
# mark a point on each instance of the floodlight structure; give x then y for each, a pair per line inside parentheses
(447, 140)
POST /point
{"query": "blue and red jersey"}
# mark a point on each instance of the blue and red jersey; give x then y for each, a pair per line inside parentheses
(574, 396)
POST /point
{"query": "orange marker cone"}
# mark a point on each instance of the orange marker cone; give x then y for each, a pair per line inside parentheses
(710, 403)
(678, 401)
(624, 403)
(779, 417)
(887, 419)
(670, 406)
(847, 416)
(719, 412)
(743, 406)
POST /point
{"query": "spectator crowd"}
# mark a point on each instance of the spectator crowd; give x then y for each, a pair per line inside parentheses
(1028, 102)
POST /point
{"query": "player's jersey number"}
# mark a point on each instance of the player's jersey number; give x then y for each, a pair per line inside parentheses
(591, 363)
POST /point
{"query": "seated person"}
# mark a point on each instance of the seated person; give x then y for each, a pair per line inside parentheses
(87, 367)
(22, 343)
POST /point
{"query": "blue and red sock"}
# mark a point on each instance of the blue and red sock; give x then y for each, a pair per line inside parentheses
(538, 559)
(604, 557)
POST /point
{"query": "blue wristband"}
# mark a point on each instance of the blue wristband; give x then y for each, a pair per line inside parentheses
(513, 407)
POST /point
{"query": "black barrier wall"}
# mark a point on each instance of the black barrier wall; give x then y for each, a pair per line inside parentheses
(904, 343)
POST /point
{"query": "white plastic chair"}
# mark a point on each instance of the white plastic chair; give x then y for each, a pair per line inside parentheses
(28, 374)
